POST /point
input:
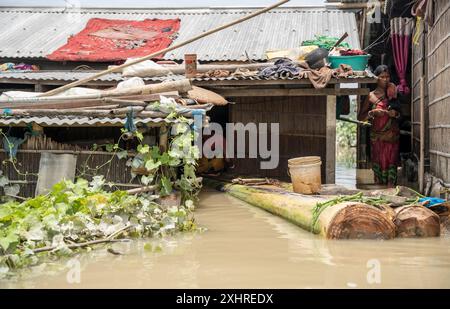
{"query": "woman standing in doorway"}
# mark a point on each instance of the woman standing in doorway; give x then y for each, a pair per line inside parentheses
(382, 110)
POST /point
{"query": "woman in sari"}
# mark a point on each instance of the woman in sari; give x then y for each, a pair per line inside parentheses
(382, 110)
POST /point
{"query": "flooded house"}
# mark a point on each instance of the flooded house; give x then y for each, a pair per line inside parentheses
(306, 113)
(260, 86)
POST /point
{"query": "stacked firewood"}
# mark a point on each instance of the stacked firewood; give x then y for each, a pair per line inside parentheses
(115, 103)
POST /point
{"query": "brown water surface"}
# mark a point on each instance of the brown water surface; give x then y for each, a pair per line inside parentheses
(245, 247)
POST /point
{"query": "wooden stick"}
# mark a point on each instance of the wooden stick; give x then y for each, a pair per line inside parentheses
(80, 245)
(163, 138)
(163, 51)
(98, 107)
(141, 190)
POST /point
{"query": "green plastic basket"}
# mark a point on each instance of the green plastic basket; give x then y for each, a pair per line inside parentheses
(358, 63)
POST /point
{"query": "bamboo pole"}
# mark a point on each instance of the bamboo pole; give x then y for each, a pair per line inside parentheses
(163, 51)
(348, 220)
(422, 136)
(183, 85)
(203, 68)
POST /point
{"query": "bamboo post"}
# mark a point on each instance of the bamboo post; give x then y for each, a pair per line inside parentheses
(163, 51)
(422, 136)
(330, 168)
(163, 138)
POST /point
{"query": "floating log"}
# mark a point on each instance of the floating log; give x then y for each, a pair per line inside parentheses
(348, 220)
(445, 225)
(416, 221)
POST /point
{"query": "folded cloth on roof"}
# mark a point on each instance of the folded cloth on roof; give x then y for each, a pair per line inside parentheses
(145, 68)
(319, 78)
(283, 67)
(214, 73)
(242, 72)
(21, 67)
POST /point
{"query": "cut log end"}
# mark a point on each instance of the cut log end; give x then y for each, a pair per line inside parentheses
(416, 221)
(361, 221)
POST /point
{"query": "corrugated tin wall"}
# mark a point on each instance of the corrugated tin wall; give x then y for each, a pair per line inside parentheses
(116, 171)
(302, 129)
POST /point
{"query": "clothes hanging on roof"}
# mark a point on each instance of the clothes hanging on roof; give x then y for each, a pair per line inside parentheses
(283, 67)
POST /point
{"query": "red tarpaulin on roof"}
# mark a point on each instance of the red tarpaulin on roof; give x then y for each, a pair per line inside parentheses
(112, 40)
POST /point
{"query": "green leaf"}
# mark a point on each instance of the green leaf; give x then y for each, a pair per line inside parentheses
(154, 153)
(143, 149)
(151, 165)
(109, 147)
(164, 159)
(8, 240)
(146, 179)
(12, 189)
(122, 154)
(166, 186)
(3, 181)
(139, 135)
(97, 182)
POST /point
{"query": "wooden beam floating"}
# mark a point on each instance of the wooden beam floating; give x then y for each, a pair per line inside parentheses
(347, 220)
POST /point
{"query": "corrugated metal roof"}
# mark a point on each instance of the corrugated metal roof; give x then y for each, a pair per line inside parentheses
(35, 33)
(117, 77)
(75, 75)
(348, 1)
(78, 121)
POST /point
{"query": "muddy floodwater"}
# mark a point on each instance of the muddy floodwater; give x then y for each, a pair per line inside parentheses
(245, 247)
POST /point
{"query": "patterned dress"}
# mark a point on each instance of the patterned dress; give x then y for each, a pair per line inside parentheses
(384, 137)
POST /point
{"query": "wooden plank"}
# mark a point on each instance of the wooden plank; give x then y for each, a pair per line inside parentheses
(330, 176)
(210, 83)
(290, 92)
